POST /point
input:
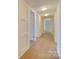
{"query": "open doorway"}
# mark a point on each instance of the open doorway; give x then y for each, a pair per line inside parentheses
(31, 29)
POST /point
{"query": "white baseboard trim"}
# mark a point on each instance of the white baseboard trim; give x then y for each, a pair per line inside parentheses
(22, 51)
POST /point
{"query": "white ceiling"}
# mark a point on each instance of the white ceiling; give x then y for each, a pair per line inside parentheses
(37, 5)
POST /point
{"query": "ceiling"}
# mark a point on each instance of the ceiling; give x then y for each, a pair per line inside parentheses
(37, 5)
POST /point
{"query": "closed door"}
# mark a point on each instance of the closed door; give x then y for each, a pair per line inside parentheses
(47, 25)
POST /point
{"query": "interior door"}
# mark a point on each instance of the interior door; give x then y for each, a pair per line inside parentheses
(31, 27)
(47, 25)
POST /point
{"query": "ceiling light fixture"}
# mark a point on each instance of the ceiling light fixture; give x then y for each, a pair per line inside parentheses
(43, 9)
(46, 15)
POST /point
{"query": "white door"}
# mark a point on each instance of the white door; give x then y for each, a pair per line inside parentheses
(47, 25)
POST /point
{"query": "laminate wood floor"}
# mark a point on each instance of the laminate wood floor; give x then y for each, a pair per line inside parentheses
(43, 48)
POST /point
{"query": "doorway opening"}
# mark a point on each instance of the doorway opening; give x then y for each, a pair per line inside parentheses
(32, 23)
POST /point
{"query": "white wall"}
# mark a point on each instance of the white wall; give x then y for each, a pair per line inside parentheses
(37, 25)
(58, 29)
(23, 40)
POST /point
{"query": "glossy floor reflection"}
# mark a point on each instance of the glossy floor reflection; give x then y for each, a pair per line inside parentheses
(43, 48)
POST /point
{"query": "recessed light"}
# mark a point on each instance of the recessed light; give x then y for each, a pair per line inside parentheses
(46, 15)
(43, 9)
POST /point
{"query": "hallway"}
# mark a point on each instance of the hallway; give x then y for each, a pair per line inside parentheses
(43, 48)
(38, 20)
